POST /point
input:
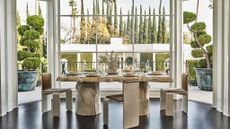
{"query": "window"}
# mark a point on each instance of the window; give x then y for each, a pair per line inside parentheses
(131, 28)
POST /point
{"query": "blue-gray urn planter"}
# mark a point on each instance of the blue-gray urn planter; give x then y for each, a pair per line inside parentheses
(204, 78)
(27, 80)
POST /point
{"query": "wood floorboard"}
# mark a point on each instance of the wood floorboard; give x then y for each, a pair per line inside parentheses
(200, 116)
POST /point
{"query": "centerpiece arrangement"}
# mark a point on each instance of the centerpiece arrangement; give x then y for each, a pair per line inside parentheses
(111, 62)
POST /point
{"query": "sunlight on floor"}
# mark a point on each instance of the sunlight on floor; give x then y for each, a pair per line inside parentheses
(196, 94)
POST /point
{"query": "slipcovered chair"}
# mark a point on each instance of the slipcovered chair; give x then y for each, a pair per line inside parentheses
(166, 97)
(130, 99)
(55, 92)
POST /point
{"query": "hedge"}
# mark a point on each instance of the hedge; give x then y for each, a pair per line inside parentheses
(160, 61)
(72, 59)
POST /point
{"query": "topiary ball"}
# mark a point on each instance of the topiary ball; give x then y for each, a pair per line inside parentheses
(31, 63)
(204, 39)
(22, 54)
(22, 29)
(198, 27)
(200, 33)
(197, 53)
(31, 34)
(202, 63)
(35, 21)
(189, 17)
(209, 49)
(194, 44)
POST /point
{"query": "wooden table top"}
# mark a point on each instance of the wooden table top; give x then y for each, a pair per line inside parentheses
(116, 78)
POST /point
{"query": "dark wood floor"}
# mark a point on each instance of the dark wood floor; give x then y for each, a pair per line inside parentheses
(200, 116)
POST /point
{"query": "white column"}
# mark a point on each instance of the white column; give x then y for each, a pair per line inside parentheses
(217, 55)
(8, 48)
(53, 48)
(226, 64)
(178, 42)
(221, 51)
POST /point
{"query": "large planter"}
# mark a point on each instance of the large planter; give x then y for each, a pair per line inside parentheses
(204, 78)
(27, 80)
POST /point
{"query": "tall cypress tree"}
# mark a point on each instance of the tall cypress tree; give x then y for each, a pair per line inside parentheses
(27, 10)
(149, 27)
(132, 23)
(124, 30)
(109, 18)
(136, 27)
(154, 29)
(107, 14)
(103, 8)
(164, 33)
(115, 18)
(103, 12)
(141, 27)
(94, 12)
(98, 7)
(121, 24)
(88, 25)
(39, 10)
(128, 24)
(159, 34)
(145, 35)
(83, 24)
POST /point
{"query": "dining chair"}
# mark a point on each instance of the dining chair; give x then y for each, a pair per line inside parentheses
(130, 99)
(166, 97)
(55, 92)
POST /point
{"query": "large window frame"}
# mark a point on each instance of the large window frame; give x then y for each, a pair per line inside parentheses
(170, 16)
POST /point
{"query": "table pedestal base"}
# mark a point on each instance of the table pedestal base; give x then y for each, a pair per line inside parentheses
(88, 99)
(144, 99)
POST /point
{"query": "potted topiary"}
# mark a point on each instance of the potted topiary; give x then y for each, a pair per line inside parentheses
(29, 56)
(202, 50)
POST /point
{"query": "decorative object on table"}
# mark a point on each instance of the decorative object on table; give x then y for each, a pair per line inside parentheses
(202, 50)
(111, 61)
(30, 56)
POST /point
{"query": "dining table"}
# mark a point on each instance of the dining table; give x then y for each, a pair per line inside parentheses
(88, 101)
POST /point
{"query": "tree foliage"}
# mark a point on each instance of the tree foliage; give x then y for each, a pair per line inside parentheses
(200, 39)
(30, 40)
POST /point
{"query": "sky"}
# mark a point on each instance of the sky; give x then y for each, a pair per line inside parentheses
(205, 12)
